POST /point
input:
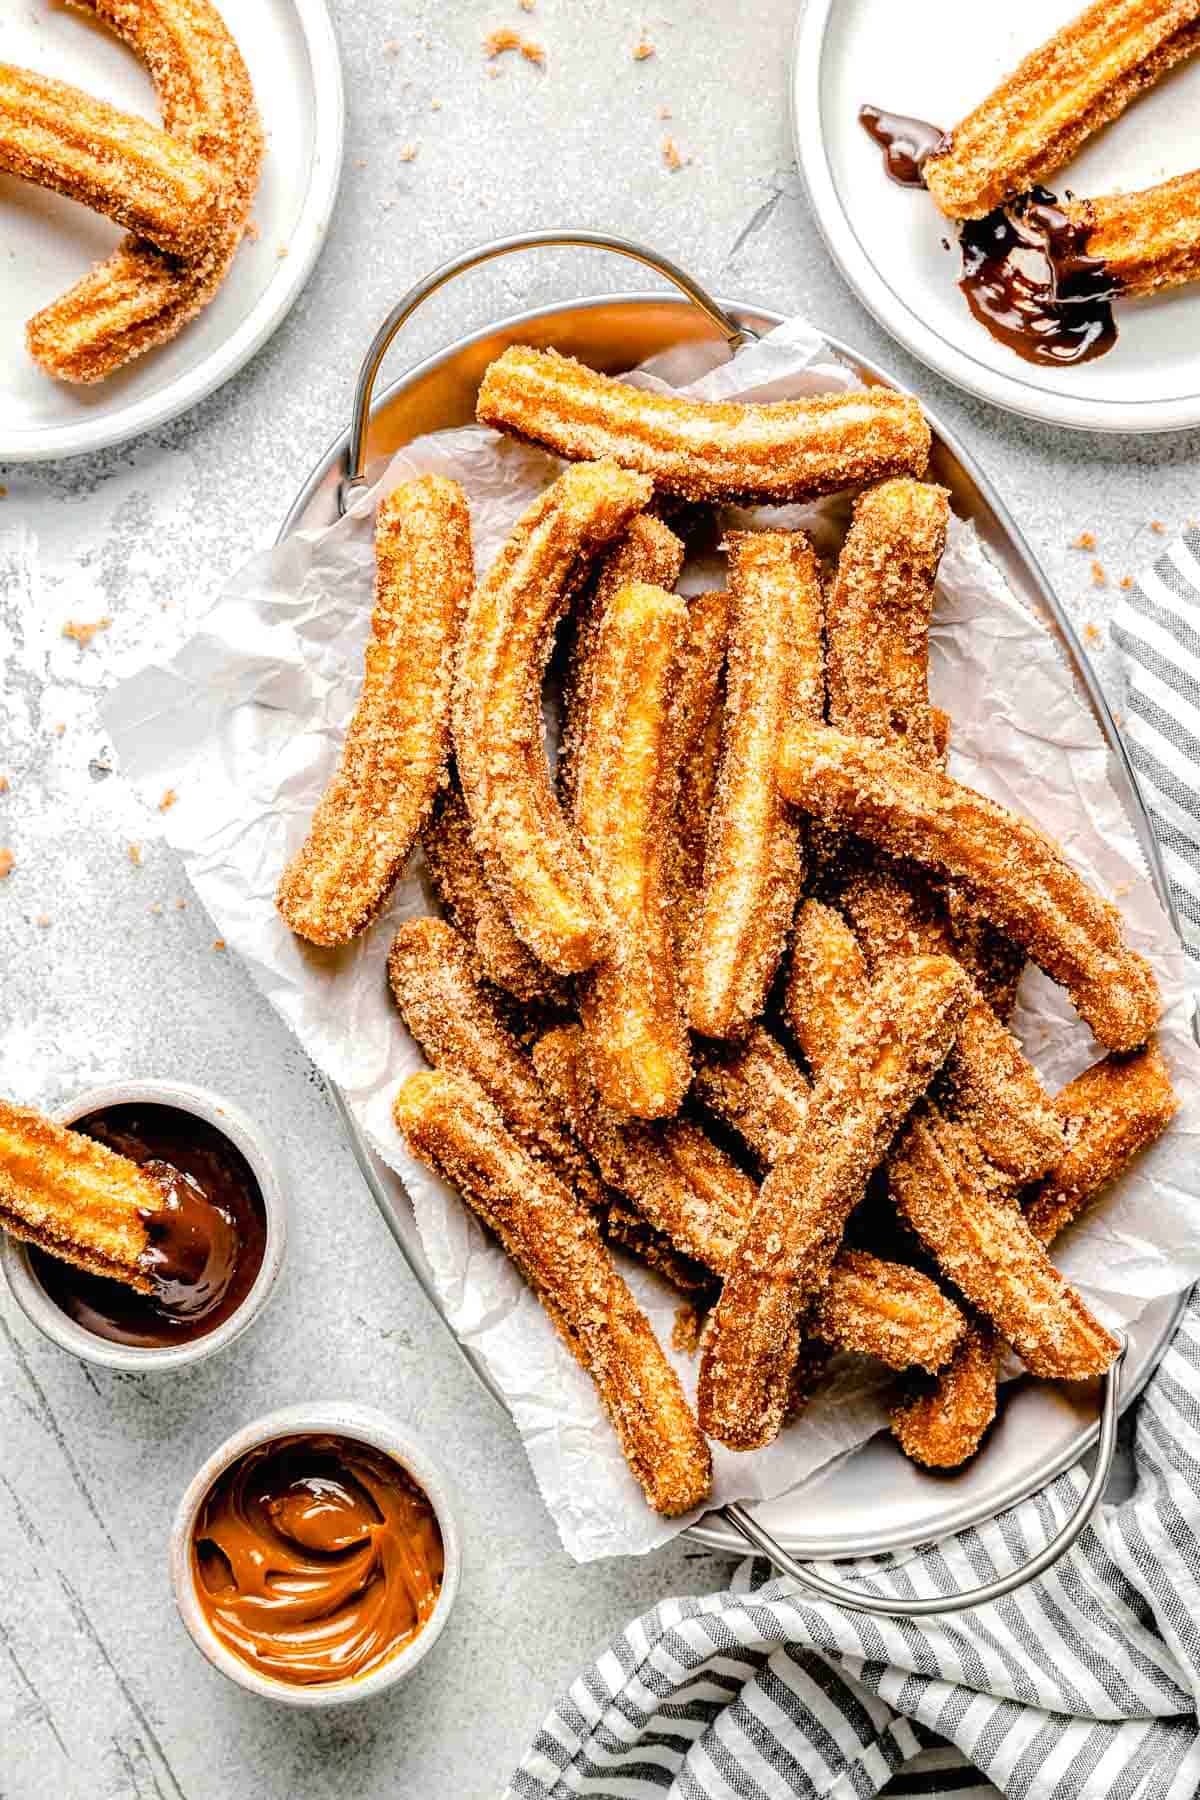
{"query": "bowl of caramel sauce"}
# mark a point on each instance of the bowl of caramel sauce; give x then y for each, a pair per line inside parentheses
(315, 1557)
(215, 1248)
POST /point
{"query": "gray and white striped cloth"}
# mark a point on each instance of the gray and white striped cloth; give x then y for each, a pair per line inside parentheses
(1082, 1686)
(1157, 629)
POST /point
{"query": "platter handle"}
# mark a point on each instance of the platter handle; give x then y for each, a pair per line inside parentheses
(896, 1606)
(356, 455)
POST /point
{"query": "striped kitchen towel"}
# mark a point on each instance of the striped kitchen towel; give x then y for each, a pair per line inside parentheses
(1157, 629)
(1082, 1686)
(1085, 1685)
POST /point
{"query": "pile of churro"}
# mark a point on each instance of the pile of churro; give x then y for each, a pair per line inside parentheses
(988, 176)
(183, 191)
(725, 989)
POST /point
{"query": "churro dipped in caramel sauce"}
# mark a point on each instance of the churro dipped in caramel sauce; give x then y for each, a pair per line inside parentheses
(316, 1558)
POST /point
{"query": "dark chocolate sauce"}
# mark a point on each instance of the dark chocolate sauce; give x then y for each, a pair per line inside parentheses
(206, 1243)
(907, 144)
(1028, 279)
(1026, 273)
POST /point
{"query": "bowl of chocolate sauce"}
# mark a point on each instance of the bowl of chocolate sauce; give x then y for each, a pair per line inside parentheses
(316, 1556)
(214, 1248)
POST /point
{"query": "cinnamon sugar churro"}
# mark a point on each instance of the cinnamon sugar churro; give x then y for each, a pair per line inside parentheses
(940, 1423)
(827, 981)
(531, 856)
(705, 450)
(457, 875)
(1039, 116)
(990, 1253)
(626, 784)
(883, 1062)
(554, 1241)
(113, 162)
(398, 741)
(139, 296)
(1014, 873)
(1144, 241)
(757, 1090)
(699, 711)
(886, 1310)
(752, 861)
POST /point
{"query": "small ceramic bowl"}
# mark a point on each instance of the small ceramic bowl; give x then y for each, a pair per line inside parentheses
(50, 1319)
(341, 1419)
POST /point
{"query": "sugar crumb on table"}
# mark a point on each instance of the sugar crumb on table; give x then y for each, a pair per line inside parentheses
(1085, 541)
(8, 863)
(218, 943)
(84, 632)
(4, 784)
(168, 800)
(1093, 633)
(1099, 578)
(135, 855)
(407, 153)
(671, 154)
(642, 49)
(505, 38)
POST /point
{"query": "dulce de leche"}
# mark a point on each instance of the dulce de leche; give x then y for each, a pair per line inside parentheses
(316, 1558)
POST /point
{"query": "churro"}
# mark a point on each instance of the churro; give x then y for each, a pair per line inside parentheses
(75, 1198)
(884, 1061)
(706, 450)
(757, 1090)
(827, 981)
(626, 784)
(139, 296)
(752, 863)
(531, 855)
(1143, 241)
(996, 1090)
(677, 1178)
(1013, 872)
(398, 742)
(940, 1423)
(1040, 115)
(457, 876)
(877, 617)
(886, 1310)
(116, 163)
(1110, 1113)
(699, 711)
(990, 1254)
(649, 551)
(554, 1241)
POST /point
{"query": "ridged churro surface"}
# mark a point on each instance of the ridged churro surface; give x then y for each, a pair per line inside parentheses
(705, 450)
(1147, 240)
(1039, 116)
(398, 742)
(827, 980)
(554, 1241)
(887, 1310)
(941, 1423)
(699, 711)
(626, 786)
(757, 1090)
(1016, 875)
(531, 854)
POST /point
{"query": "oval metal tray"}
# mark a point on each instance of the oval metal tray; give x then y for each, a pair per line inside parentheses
(874, 1500)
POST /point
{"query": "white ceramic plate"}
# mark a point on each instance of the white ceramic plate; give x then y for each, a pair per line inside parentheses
(888, 240)
(46, 242)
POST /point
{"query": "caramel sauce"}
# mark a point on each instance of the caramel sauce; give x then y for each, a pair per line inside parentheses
(1026, 273)
(206, 1242)
(316, 1558)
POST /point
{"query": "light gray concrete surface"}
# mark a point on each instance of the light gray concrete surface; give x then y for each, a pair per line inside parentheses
(102, 972)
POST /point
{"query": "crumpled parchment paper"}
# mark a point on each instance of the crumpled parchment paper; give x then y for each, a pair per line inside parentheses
(246, 721)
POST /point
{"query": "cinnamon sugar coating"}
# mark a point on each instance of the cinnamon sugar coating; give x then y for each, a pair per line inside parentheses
(941, 1423)
(705, 450)
(1015, 874)
(531, 854)
(553, 1239)
(886, 1310)
(398, 742)
(827, 980)
(698, 716)
(1149, 240)
(757, 1089)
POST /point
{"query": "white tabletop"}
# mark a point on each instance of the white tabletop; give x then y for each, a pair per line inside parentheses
(100, 1691)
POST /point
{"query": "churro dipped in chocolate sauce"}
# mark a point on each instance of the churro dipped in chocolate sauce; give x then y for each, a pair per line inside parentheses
(316, 1558)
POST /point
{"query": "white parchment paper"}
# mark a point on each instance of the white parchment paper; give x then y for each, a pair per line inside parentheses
(246, 720)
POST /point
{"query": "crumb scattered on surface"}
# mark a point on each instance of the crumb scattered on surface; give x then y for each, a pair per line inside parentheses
(135, 855)
(156, 906)
(59, 729)
(181, 906)
(43, 919)
(642, 49)
(4, 784)
(1117, 719)
(435, 106)
(527, 5)
(685, 1333)
(218, 943)
(281, 251)
(1126, 581)
(3, 491)
(664, 112)
(1085, 541)
(83, 633)
(671, 154)
(8, 863)
(408, 153)
(1093, 633)
(360, 162)
(497, 42)
(1121, 888)
(1157, 525)
(168, 800)
(252, 231)
(391, 47)
(1099, 578)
